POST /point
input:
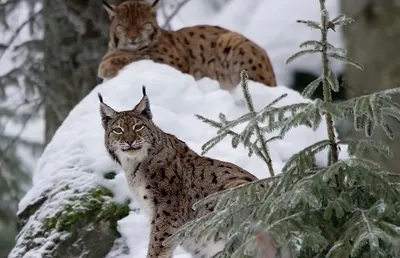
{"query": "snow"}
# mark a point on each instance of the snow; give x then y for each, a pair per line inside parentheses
(272, 25)
(76, 156)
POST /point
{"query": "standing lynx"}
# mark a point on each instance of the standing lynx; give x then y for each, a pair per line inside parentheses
(202, 51)
(166, 176)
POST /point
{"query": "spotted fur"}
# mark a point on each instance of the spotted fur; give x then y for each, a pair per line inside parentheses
(166, 176)
(202, 51)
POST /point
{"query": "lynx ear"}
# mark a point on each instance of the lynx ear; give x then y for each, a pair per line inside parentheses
(143, 107)
(154, 5)
(106, 112)
(110, 8)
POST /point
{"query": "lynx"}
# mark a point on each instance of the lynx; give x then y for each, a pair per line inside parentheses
(166, 176)
(201, 51)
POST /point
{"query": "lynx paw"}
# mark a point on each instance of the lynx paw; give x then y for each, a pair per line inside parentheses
(107, 70)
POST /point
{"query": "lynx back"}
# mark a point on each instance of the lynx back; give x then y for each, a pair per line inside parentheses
(201, 51)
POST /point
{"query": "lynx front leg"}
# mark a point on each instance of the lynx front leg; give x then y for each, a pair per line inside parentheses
(160, 231)
(113, 62)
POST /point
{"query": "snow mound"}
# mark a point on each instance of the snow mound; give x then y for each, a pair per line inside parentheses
(76, 156)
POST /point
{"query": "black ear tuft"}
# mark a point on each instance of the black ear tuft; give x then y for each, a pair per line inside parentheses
(110, 9)
(107, 4)
(144, 90)
(106, 112)
(155, 3)
(100, 97)
(143, 107)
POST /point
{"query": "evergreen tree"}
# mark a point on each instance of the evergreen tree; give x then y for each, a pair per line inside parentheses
(53, 55)
(348, 208)
(16, 110)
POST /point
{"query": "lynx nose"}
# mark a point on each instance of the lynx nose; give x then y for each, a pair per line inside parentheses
(129, 142)
(132, 41)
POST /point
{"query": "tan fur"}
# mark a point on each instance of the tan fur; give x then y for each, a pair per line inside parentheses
(166, 176)
(202, 51)
(269, 248)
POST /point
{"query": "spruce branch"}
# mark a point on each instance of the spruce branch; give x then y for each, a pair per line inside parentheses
(266, 183)
(357, 147)
(277, 115)
(244, 83)
(310, 117)
(311, 88)
(346, 60)
(215, 140)
(368, 111)
(325, 85)
(333, 81)
(259, 146)
(311, 24)
(348, 208)
(302, 53)
(314, 43)
(363, 228)
(342, 20)
(328, 79)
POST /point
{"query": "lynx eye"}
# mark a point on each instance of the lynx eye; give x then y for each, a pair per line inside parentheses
(138, 127)
(118, 130)
(147, 26)
(116, 40)
(119, 30)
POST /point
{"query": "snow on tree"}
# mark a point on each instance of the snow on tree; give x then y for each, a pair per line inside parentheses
(76, 186)
(347, 208)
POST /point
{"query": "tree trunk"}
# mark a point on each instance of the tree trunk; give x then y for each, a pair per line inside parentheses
(374, 41)
(75, 38)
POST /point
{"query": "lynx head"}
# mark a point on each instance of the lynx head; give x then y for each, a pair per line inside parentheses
(133, 24)
(128, 134)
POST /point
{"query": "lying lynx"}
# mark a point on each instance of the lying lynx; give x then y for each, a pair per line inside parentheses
(166, 176)
(202, 51)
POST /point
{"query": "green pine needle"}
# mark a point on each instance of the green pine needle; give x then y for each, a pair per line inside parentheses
(346, 60)
(311, 24)
(342, 208)
(357, 148)
(302, 53)
(309, 91)
(333, 81)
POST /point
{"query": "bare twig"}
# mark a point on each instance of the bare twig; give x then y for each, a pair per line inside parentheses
(164, 13)
(23, 126)
(18, 31)
(174, 13)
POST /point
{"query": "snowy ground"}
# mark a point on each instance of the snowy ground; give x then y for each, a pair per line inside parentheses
(271, 24)
(76, 156)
